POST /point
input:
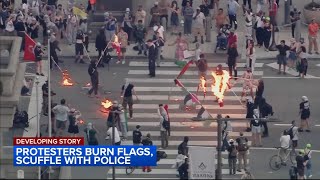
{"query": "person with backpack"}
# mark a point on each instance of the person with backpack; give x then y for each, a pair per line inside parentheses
(202, 66)
(265, 110)
(147, 142)
(293, 133)
(242, 151)
(284, 144)
(307, 152)
(183, 147)
(232, 157)
(164, 127)
(136, 136)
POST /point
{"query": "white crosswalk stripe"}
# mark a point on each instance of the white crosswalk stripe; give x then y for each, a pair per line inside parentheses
(152, 92)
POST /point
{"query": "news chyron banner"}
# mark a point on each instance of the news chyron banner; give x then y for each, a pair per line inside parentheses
(73, 152)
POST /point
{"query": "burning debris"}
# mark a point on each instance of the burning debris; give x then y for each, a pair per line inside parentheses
(66, 80)
(106, 104)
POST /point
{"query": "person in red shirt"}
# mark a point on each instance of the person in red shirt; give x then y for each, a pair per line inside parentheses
(232, 39)
(313, 29)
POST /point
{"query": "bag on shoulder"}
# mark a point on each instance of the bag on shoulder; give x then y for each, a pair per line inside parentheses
(290, 132)
(243, 146)
(166, 124)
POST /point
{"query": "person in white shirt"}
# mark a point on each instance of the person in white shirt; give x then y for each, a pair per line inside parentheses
(123, 124)
(248, 20)
(61, 113)
(284, 144)
(117, 140)
(160, 29)
(198, 25)
(295, 133)
(140, 15)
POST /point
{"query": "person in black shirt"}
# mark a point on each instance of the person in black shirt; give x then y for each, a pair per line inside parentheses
(250, 108)
(256, 128)
(259, 93)
(152, 58)
(136, 136)
(265, 110)
(45, 94)
(205, 9)
(232, 60)
(304, 114)
(19, 26)
(301, 163)
(282, 56)
(38, 58)
(126, 92)
(232, 157)
(79, 47)
(94, 76)
(54, 45)
(101, 45)
(147, 142)
(183, 170)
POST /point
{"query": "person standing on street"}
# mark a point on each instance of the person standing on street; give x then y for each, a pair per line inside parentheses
(242, 151)
(232, 12)
(94, 77)
(256, 128)
(174, 18)
(54, 45)
(163, 128)
(140, 15)
(198, 25)
(304, 114)
(164, 6)
(188, 14)
(284, 145)
(245, 4)
(205, 9)
(127, 25)
(61, 112)
(147, 142)
(307, 152)
(152, 56)
(123, 40)
(123, 123)
(232, 157)
(136, 136)
(91, 133)
(38, 53)
(79, 47)
(293, 132)
(184, 169)
(294, 16)
(101, 45)
(282, 56)
(313, 29)
(127, 92)
(165, 107)
(301, 163)
(72, 27)
(117, 139)
(159, 42)
(183, 147)
(202, 66)
(265, 110)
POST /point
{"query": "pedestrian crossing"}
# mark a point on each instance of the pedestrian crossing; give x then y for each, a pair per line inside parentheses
(161, 90)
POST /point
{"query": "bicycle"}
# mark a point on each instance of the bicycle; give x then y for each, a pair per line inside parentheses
(276, 161)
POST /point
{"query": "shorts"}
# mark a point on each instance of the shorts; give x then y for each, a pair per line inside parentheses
(61, 124)
(301, 172)
(293, 55)
(79, 49)
(305, 114)
(198, 31)
(123, 50)
(256, 129)
(295, 143)
(282, 60)
(204, 74)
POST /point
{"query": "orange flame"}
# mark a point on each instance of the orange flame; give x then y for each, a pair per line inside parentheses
(106, 104)
(220, 84)
(203, 84)
(66, 82)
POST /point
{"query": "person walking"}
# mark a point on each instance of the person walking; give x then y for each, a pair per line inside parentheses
(183, 147)
(307, 152)
(313, 29)
(301, 164)
(137, 136)
(232, 157)
(123, 40)
(282, 56)
(293, 133)
(164, 121)
(304, 114)
(266, 34)
(180, 159)
(160, 109)
(202, 66)
(265, 110)
(284, 146)
(256, 128)
(232, 60)
(147, 142)
(101, 45)
(232, 12)
(259, 93)
(61, 112)
(127, 92)
(188, 14)
(152, 56)
(73, 128)
(91, 133)
(94, 77)
(184, 170)
(242, 151)
(54, 45)
(303, 63)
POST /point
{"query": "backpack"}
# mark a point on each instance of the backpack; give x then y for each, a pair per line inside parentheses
(136, 137)
(242, 145)
(166, 124)
(233, 152)
(161, 155)
(290, 132)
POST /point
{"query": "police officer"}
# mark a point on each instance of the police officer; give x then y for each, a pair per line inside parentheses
(94, 76)
(38, 58)
(79, 46)
(152, 58)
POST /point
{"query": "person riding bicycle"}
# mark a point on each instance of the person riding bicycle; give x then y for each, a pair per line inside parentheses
(285, 144)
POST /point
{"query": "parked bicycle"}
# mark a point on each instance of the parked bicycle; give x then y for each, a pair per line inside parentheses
(276, 161)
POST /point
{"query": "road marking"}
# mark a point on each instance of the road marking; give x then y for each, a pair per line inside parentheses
(177, 106)
(181, 98)
(156, 172)
(282, 124)
(185, 81)
(172, 64)
(289, 71)
(318, 65)
(194, 134)
(317, 125)
(177, 89)
(281, 77)
(187, 73)
(183, 124)
(179, 115)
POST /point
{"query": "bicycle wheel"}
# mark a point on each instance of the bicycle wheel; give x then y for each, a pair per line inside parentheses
(129, 170)
(293, 155)
(275, 162)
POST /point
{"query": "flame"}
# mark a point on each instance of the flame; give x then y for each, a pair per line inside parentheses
(220, 85)
(203, 84)
(106, 104)
(66, 82)
(81, 121)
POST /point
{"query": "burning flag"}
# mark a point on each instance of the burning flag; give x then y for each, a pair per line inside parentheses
(220, 85)
(66, 80)
(106, 104)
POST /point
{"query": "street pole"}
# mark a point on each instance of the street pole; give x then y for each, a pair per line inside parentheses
(49, 97)
(219, 132)
(287, 4)
(113, 142)
(273, 44)
(38, 118)
(297, 32)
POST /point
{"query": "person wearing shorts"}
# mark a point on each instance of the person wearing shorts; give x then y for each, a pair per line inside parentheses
(282, 56)
(61, 112)
(198, 25)
(301, 162)
(79, 47)
(256, 128)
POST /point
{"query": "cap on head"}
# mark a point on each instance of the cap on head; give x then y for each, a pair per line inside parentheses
(156, 3)
(231, 141)
(148, 135)
(38, 44)
(304, 98)
(198, 8)
(127, 9)
(308, 146)
(301, 151)
(138, 126)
